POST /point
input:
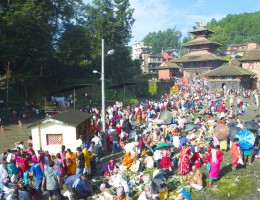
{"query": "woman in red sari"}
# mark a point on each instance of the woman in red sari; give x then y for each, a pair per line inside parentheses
(184, 164)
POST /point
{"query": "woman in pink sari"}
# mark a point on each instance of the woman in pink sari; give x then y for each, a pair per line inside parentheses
(184, 164)
(215, 159)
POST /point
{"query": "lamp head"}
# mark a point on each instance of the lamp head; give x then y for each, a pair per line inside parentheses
(95, 71)
(110, 52)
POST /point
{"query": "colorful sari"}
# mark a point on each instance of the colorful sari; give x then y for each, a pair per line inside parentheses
(235, 153)
(127, 160)
(215, 160)
(71, 163)
(184, 163)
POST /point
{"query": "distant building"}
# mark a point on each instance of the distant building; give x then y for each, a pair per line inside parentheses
(62, 129)
(201, 57)
(251, 62)
(150, 62)
(167, 56)
(237, 50)
(231, 75)
(169, 70)
(138, 48)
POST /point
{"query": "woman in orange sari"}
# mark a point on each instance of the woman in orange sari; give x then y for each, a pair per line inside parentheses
(127, 160)
(138, 116)
(71, 162)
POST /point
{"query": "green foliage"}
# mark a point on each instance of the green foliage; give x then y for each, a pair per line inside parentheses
(53, 43)
(73, 46)
(236, 29)
(152, 87)
(161, 40)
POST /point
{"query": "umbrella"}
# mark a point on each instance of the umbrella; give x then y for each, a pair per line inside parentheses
(159, 121)
(162, 145)
(233, 132)
(189, 127)
(221, 131)
(166, 116)
(252, 125)
(232, 124)
(215, 99)
(156, 181)
(246, 139)
(173, 125)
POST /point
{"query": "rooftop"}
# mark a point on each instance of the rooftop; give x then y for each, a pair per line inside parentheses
(251, 55)
(69, 117)
(198, 57)
(169, 65)
(229, 69)
(200, 40)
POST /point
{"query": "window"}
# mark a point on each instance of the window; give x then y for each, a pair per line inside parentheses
(53, 139)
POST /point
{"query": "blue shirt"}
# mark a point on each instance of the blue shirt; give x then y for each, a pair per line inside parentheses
(37, 171)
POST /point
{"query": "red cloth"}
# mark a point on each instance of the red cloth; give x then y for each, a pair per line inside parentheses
(235, 153)
(184, 166)
(165, 162)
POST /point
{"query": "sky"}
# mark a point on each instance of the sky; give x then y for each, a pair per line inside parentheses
(155, 15)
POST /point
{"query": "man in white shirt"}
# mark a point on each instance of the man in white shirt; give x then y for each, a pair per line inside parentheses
(9, 156)
(97, 140)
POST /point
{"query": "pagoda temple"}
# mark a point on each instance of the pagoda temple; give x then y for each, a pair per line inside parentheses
(201, 57)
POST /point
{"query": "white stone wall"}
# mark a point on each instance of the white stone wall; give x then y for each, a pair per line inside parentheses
(40, 131)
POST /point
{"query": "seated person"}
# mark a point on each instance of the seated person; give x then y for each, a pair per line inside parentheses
(70, 194)
(135, 167)
(196, 179)
(146, 194)
(149, 162)
(107, 194)
(127, 160)
(109, 168)
(118, 179)
(121, 195)
(81, 184)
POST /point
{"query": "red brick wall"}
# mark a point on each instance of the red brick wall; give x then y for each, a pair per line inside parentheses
(164, 74)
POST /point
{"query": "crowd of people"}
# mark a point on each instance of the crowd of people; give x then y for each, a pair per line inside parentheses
(177, 145)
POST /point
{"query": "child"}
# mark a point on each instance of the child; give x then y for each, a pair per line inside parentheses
(166, 160)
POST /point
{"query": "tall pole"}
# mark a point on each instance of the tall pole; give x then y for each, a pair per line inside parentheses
(103, 96)
(7, 83)
(74, 98)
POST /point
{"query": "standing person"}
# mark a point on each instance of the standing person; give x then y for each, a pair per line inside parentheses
(63, 152)
(184, 166)
(235, 153)
(51, 178)
(166, 160)
(98, 144)
(95, 159)
(114, 136)
(248, 154)
(215, 159)
(87, 156)
(36, 171)
(13, 171)
(71, 162)
(59, 165)
(80, 161)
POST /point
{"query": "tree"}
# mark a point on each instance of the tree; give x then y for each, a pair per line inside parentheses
(74, 45)
(163, 40)
(31, 30)
(111, 21)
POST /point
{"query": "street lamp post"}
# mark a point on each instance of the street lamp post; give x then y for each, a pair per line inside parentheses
(111, 52)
